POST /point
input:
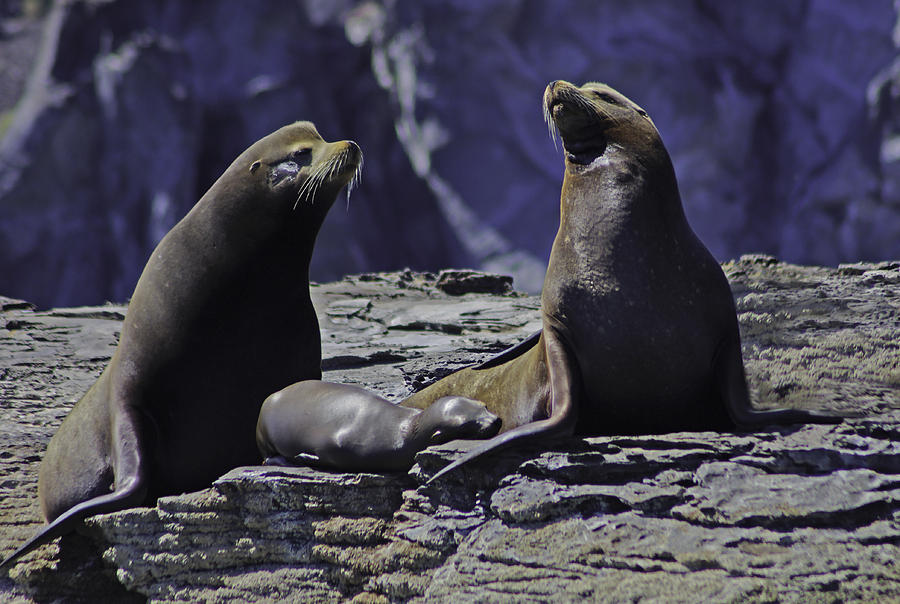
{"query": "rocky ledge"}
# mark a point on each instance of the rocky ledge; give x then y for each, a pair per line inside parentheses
(806, 513)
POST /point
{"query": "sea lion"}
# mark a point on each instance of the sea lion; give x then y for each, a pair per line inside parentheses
(220, 317)
(639, 331)
(347, 428)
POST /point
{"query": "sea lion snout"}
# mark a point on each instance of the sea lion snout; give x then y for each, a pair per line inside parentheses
(340, 155)
(489, 424)
(486, 424)
(555, 96)
(353, 148)
(349, 157)
(347, 150)
(557, 87)
(334, 165)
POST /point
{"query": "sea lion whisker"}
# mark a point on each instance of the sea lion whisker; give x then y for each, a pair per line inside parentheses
(592, 108)
(552, 130)
(350, 186)
(357, 174)
(337, 165)
(354, 180)
(300, 193)
(305, 188)
(309, 188)
(297, 201)
(308, 192)
(609, 116)
(324, 174)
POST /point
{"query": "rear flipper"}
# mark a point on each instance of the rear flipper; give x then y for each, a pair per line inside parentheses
(728, 369)
(130, 495)
(564, 386)
(130, 491)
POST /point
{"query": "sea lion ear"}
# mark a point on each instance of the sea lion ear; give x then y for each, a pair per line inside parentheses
(255, 166)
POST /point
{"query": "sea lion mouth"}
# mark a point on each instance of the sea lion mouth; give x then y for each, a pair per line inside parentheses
(583, 150)
(575, 120)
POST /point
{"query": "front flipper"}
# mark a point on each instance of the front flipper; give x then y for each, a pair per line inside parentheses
(130, 488)
(564, 389)
(731, 383)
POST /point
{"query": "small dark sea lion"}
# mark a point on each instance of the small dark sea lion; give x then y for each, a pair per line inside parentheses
(347, 428)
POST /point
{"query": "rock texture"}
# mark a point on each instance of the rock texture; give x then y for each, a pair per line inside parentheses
(132, 112)
(793, 514)
(781, 117)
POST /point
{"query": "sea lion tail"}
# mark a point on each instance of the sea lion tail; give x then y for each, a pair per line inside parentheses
(728, 369)
(564, 386)
(130, 494)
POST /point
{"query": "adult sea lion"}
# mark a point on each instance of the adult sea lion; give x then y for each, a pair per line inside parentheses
(344, 427)
(639, 331)
(220, 317)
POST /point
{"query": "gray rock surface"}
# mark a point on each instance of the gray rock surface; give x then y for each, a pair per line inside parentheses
(792, 514)
(781, 118)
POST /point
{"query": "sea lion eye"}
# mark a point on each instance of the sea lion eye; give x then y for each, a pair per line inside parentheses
(300, 157)
(607, 98)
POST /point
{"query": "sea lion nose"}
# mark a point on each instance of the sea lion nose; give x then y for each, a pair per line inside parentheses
(352, 149)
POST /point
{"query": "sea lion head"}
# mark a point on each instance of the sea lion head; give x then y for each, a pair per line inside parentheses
(591, 117)
(296, 168)
(452, 417)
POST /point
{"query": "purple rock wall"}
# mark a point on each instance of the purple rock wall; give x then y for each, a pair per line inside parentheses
(781, 118)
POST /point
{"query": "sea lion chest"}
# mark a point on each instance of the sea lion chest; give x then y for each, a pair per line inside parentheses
(632, 293)
(209, 330)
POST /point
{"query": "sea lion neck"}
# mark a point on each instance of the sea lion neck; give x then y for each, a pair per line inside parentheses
(625, 183)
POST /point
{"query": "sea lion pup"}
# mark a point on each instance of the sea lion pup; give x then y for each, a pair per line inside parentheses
(220, 317)
(347, 428)
(639, 332)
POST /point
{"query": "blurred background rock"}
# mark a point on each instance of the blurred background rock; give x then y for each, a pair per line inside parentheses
(782, 118)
